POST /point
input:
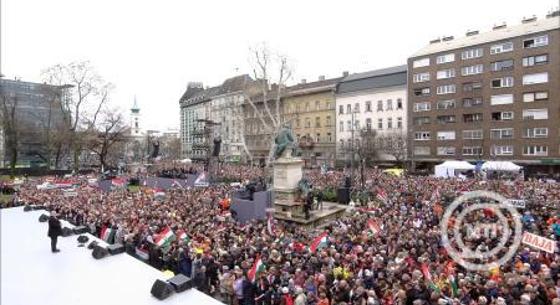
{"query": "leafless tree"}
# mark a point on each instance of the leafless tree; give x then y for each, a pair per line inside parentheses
(11, 126)
(271, 72)
(109, 131)
(87, 95)
(393, 143)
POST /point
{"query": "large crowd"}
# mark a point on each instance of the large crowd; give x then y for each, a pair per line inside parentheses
(402, 261)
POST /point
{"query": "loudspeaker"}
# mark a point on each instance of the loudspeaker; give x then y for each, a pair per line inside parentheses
(81, 230)
(67, 232)
(92, 245)
(99, 252)
(161, 290)
(82, 239)
(115, 249)
(343, 195)
(180, 282)
(27, 208)
(43, 218)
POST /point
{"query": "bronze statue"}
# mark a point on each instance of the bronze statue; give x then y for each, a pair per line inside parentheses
(284, 140)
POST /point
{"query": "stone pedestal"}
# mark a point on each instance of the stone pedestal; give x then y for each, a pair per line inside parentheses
(287, 173)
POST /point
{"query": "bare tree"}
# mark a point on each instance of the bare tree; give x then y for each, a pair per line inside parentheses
(110, 130)
(271, 72)
(87, 95)
(394, 144)
(11, 126)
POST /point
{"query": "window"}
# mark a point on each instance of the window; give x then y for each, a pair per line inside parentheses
(445, 58)
(472, 70)
(348, 125)
(502, 82)
(535, 60)
(475, 134)
(399, 122)
(328, 105)
(502, 150)
(535, 96)
(472, 117)
(535, 150)
(421, 150)
(307, 123)
(317, 122)
(341, 126)
(390, 123)
(423, 120)
(535, 114)
(357, 124)
(340, 109)
(368, 106)
(389, 104)
(318, 138)
(357, 108)
(472, 53)
(501, 99)
(502, 65)
(422, 135)
(537, 132)
(446, 119)
(501, 48)
(380, 105)
(368, 123)
(472, 150)
(472, 86)
(446, 151)
(423, 106)
(317, 105)
(328, 121)
(534, 42)
(298, 123)
(399, 104)
(422, 91)
(348, 109)
(422, 62)
(447, 104)
(444, 74)
(329, 137)
(472, 102)
(445, 89)
(537, 78)
(502, 116)
(445, 135)
(379, 123)
(504, 133)
(306, 107)
(421, 77)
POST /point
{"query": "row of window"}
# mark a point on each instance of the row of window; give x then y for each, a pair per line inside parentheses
(527, 114)
(307, 122)
(369, 125)
(317, 139)
(297, 107)
(497, 99)
(478, 52)
(368, 107)
(506, 81)
(478, 134)
(496, 150)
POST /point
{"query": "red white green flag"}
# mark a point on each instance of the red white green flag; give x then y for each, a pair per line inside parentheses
(382, 195)
(257, 268)
(319, 242)
(106, 234)
(373, 226)
(164, 238)
(183, 237)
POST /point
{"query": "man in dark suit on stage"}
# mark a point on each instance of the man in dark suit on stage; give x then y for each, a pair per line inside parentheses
(55, 230)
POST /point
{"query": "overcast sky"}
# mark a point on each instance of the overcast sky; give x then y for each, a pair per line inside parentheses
(151, 49)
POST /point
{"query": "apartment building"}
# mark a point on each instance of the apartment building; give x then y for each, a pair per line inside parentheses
(488, 95)
(309, 107)
(374, 100)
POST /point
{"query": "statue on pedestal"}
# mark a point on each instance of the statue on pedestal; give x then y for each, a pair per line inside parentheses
(284, 143)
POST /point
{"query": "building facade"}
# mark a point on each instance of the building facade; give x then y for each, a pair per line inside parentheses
(310, 110)
(374, 100)
(491, 95)
(38, 117)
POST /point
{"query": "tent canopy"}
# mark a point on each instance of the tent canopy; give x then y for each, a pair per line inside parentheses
(186, 161)
(452, 167)
(500, 166)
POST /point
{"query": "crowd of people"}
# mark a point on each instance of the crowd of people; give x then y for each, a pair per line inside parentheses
(388, 251)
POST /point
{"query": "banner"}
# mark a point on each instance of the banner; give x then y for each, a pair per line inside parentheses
(517, 203)
(539, 242)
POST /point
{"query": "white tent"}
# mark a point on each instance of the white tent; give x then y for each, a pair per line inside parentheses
(186, 161)
(452, 168)
(500, 166)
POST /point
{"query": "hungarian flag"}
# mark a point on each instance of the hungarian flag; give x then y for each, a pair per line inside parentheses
(143, 253)
(164, 238)
(257, 268)
(158, 192)
(183, 237)
(270, 225)
(428, 277)
(373, 226)
(118, 182)
(382, 195)
(107, 234)
(319, 242)
(452, 280)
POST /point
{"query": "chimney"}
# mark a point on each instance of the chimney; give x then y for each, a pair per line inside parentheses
(503, 25)
(321, 77)
(472, 33)
(555, 13)
(437, 40)
(447, 38)
(529, 19)
(303, 81)
(345, 73)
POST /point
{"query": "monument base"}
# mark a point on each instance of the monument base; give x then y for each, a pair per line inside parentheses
(330, 212)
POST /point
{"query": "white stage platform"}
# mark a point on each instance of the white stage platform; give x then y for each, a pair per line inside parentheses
(31, 274)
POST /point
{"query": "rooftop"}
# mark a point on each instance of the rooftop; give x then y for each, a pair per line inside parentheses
(381, 78)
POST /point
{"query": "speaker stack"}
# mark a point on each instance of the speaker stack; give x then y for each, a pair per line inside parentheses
(163, 289)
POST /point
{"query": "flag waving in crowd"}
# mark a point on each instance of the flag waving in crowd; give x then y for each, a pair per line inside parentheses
(183, 237)
(373, 227)
(257, 268)
(382, 195)
(164, 239)
(319, 242)
(107, 234)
